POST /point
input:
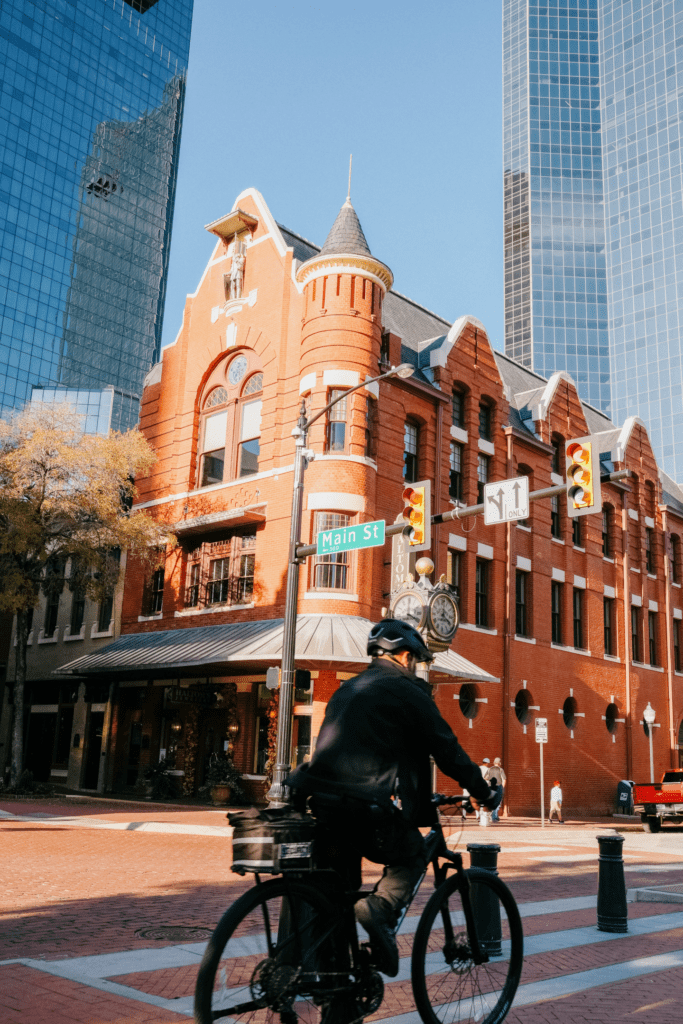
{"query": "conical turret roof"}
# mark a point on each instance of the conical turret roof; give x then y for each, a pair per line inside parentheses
(346, 235)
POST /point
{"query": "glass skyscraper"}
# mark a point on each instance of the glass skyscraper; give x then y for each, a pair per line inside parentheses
(642, 111)
(593, 102)
(555, 301)
(91, 103)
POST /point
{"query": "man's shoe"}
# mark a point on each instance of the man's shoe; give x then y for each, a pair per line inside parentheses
(378, 919)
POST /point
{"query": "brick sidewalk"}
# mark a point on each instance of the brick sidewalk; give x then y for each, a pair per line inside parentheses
(72, 892)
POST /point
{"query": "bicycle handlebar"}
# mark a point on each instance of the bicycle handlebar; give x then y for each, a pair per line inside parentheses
(439, 799)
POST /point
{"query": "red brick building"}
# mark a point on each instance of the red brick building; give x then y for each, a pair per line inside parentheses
(578, 621)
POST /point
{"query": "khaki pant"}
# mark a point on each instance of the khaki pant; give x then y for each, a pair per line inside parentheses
(555, 808)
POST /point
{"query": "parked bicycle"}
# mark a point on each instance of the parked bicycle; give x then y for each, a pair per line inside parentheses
(289, 949)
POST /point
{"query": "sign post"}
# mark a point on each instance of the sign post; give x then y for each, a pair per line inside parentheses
(541, 739)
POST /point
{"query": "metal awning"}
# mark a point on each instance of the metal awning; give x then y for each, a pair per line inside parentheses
(335, 640)
(228, 517)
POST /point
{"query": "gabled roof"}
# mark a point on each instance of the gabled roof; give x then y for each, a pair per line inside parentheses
(672, 494)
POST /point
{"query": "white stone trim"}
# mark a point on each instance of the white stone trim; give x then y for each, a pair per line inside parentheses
(611, 657)
(609, 591)
(439, 356)
(678, 614)
(652, 606)
(332, 501)
(484, 551)
(458, 434)
(525, 639)
(325, 595)
(633, 514)
(149, 618)
(637, 600)
(231, 336)
(524, 563)
(486, 446)
(373, 388)
(478, 629)
(649, 522)
(239, 482)
(558, 575)
(557, 479)
(341, 378)
(108, 632)
(580, 582)
(307, 383)
(571, 650)
(457, 542)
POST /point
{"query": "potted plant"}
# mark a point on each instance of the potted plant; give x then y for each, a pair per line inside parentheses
(222, 780)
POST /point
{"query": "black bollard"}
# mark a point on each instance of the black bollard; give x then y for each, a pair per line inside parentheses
(485, 903)
(612, 909)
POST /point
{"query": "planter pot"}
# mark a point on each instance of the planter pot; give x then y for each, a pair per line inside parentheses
(220, 795)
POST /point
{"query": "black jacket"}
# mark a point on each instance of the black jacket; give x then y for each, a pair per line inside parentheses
(381, 726)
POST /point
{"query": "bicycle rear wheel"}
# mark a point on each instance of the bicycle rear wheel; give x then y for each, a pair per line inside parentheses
(448, 986)
(276, 955)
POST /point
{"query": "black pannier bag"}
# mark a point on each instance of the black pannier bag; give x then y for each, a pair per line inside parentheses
(271, 841)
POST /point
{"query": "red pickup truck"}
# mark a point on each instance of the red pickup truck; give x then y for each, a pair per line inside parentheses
(659, 801)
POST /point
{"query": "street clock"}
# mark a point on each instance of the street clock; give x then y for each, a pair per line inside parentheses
(432, 610)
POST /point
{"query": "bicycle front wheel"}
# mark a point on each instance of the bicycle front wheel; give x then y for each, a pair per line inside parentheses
(276, 955)
(447, 984)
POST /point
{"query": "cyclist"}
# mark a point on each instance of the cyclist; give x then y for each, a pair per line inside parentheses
(370, 776)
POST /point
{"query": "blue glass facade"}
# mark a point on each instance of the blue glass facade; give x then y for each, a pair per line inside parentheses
(642, 86)
(91, 102)
(593, 106)
(556, 316)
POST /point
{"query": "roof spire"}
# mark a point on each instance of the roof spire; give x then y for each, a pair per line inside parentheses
(348, 194)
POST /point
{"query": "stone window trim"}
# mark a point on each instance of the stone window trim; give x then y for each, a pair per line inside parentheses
(331, 574)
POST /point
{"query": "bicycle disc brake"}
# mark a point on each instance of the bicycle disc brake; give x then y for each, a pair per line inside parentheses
(458, 954)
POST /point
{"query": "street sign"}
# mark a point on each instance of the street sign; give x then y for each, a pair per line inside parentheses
(506, 499)
(541, 730)
(348, 538)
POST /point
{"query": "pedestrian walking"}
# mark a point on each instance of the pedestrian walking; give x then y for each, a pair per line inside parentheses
(496, 772)
(556, 803)
(482, 813)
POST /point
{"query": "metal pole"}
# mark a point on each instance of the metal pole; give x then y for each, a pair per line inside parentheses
(277, 793)
(541, 745)
(652, 764)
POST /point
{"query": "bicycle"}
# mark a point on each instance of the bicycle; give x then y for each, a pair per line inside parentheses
(289, 947)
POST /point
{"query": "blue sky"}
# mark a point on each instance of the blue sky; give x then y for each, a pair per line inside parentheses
(279, 95)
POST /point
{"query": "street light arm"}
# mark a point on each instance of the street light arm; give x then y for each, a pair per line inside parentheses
(350, 391)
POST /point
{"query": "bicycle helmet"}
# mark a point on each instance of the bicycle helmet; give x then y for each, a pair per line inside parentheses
(392, 635)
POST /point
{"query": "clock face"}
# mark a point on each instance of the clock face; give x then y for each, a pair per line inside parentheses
(238, 368)
(443, 615)
(409, 609)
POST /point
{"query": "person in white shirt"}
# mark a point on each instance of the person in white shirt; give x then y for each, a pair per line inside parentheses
(556, 803)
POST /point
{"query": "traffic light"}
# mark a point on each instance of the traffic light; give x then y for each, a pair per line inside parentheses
(418, 512)
(583, 477)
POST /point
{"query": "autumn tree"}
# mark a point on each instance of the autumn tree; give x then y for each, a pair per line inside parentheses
(65, 506)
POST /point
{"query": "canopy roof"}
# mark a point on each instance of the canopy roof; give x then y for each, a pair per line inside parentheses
(335, 640)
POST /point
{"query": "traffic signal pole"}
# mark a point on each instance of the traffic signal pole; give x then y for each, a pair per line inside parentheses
(303, 550)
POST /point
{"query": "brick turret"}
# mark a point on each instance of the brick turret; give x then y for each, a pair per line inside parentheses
(344, 289)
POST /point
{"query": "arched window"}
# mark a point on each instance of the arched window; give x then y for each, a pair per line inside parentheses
(214, 427)
(557, 458)
(250, 426)
(219, 460)
(458, 399)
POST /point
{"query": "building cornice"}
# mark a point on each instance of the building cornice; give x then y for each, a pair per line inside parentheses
(364, 266)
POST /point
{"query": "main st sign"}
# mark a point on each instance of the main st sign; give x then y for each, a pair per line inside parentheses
(348, 538)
